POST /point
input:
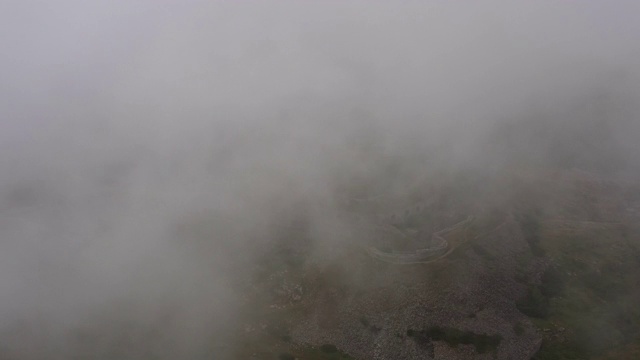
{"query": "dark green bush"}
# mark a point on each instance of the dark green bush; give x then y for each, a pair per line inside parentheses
(329, 348)
(558, 351)
(534, 304)
(530, 226)
(286, 356)
(364, 321)
(553, 282)
(453, 337)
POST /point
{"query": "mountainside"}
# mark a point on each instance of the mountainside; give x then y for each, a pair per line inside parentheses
(547, 271)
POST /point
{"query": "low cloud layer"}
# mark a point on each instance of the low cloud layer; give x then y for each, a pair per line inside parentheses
(149, 148)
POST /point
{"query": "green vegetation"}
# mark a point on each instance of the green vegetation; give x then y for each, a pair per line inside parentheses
(536, 303)
(453, 337)
(553, 350)
(364, 321)
(530, 226)
(328, 348)
(553, 282)
(587, 304)
(286, 356)
(374, 329)
(605, 284)
(482, 252)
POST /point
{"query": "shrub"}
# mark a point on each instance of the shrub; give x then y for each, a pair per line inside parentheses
(530, 226)
(375, 329)
(558, 351)
(286, 356)
(364, 321)
(534, 304)
(553, 282)
(329, 348)
(482, 342)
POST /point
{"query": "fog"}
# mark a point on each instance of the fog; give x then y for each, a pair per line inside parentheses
(126, 126)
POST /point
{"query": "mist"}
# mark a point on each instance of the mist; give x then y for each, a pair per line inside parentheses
(151, 150)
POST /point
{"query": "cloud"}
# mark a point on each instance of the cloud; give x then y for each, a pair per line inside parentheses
(125, 123)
